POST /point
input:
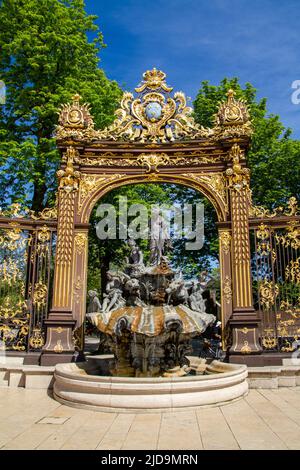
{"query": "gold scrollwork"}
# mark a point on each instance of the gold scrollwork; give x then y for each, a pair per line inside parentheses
(263, 235)
(14, 325)
(238, 177)
(290, 308)
(291, 210)
(153, 116)
(69, 177)
(44, 234)
(80, 242)
(36, 340)
(40, 294)
(292, 271)
(292, 237)
(227, 290)
(268, 291)
(89, 183)
(269, 342)
(225, 240)
(152, 161)
(215, 181)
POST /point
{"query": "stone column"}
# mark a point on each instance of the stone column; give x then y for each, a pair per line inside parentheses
(244, 320)
(79, 284)
(59, 346)
(225, 239)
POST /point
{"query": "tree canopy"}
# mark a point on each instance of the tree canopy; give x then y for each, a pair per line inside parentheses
(45, 57)
(49, 50)
(273, 157)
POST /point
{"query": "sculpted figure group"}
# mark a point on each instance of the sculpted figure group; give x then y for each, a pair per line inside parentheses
(134, 287)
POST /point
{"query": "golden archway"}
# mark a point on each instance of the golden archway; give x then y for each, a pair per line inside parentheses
(211, 185)
(162, 144)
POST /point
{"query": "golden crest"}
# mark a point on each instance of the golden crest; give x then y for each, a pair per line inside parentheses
(153, 116)
(232, 118)
(75, 115)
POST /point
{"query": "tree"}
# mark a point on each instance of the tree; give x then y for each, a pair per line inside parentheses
(273, 158)
(45, 57)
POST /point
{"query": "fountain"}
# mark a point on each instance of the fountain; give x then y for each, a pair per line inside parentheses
(148, 318)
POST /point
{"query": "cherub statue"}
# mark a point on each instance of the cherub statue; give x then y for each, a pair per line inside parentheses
(177, 292)
(94, 302)
(136, 255)
(196, 301)
(133, 288)
(113, 296)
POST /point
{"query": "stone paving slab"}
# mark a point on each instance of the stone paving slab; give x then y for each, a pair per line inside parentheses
(265, 419)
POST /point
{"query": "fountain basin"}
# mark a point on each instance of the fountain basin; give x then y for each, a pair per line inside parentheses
(77, 385)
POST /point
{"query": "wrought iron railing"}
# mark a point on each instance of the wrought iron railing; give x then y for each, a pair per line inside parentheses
(276, 281)
(27, 249)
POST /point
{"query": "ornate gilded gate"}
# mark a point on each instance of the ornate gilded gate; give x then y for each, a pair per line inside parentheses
(155, 139)
(27, 249)
(275, 240)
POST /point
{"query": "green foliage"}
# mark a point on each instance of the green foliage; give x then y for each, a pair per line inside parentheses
(45, 57)
(106, 254)
(274, 158)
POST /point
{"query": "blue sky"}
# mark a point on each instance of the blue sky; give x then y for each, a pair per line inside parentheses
(195, 40)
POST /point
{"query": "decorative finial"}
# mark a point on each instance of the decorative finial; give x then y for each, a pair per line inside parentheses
(153, 80)
(76, 98)
(73, 116)
(233, 119)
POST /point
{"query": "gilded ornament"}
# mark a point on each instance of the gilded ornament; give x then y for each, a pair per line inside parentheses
(292, 271)
(263, 235)
(215, 181)
(245, 349)
(36, 340)
(152, 161)
(227, 291)
(245, 330)
(89, 183)
(269, 342)
(69, 177)
(154, 115)
(40, 294)
(268, 291)
(292, 237)
(261, 212)
(290, 308)
(225, 240)
(75, 120)
(80, 242)
(238, 177)
(58, 348)
(232, 119)
(44, 234)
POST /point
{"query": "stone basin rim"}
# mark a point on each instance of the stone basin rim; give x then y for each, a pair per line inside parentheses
(63, 370)
(73, 387)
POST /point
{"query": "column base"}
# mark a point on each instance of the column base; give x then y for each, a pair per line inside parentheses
(245, 333)
(51, 359)
(59, 346)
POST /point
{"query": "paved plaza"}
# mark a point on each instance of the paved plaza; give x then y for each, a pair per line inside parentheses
(265, 419)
